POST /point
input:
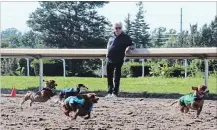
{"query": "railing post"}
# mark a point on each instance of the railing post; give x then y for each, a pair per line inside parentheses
(64, 67)
(143, 69)
(143, 64)
(27, 65)
(186, 68)
(40, 73)
(206, 71)
(102, 68)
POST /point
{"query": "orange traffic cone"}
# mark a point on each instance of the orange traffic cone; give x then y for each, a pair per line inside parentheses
(13, 92)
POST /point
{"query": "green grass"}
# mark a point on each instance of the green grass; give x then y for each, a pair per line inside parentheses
(148, 84)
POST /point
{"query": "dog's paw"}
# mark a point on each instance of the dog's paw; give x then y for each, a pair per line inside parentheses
(195, 117)
(86, 118)
(73, 118)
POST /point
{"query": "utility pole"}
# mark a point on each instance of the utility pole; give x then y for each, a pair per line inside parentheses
(181, 23)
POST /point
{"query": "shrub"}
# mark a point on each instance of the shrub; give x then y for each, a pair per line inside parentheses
(125, 70)
(158, 68)
(50, 67)
(175, 71)
(136, 71)
(131, 69)
(199, 65)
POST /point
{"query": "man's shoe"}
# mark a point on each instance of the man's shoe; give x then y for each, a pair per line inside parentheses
(114, 95)
(108, 95)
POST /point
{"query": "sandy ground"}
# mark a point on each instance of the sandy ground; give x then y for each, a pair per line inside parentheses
(108, 114)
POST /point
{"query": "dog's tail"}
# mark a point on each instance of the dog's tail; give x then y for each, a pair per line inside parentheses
(174, 102)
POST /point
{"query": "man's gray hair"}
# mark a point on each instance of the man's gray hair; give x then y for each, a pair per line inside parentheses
(117, 23)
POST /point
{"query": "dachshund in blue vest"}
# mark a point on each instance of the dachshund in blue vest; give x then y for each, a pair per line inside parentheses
(65, 93)
(81, 105)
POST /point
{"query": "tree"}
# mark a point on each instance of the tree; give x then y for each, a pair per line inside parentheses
(213, 27)
(11, 38)
(128, 25)
(171, 36)
(206, 36)
(194, 38)
(69, 24)
(32, 40)
(159, 37)
(140, 34)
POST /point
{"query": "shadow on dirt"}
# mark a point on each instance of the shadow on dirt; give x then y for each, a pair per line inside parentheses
(122, 94)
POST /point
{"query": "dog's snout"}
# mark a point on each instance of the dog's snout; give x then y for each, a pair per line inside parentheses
(96, 99)
(55, 84)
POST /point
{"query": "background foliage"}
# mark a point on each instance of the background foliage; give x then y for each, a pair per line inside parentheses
(77, 24)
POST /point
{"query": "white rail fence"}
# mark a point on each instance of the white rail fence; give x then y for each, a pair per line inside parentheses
(151, 53)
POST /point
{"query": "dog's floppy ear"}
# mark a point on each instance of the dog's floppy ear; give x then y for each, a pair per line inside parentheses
(202, 87)
(91, 95)
(80, 85)
(52, 81)
(194, 88)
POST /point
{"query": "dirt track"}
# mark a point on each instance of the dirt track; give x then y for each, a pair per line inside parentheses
(121, 113)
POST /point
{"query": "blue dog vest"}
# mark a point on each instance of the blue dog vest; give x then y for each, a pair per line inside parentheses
(74, 99)
(67, 90)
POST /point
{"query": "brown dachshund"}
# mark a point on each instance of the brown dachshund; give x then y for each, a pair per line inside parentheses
(67, 92)
(81, 105)
(193, 101)
(43, 95)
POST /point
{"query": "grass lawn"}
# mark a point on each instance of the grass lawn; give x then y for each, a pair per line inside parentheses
(148, 84)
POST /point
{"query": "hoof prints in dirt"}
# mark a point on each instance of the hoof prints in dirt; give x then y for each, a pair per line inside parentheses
(114, 114)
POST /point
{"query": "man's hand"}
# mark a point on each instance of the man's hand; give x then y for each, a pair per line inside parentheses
(128, 50)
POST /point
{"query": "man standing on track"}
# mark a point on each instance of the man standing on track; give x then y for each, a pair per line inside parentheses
(118, 45)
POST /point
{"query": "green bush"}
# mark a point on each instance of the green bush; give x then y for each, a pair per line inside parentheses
(51, 67)
(158, 68)
(134, 69)
(213, 74)
(125, 70)
(155, 70)
(175, 72)
(199, 65)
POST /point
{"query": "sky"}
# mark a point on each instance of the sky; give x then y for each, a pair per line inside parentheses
(166, 14)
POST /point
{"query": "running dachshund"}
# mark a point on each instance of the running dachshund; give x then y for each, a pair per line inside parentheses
(80, 105)
(65, 93)
(43, 95)
(193, 101)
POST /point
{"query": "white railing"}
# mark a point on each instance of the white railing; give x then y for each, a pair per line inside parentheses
(157, 53)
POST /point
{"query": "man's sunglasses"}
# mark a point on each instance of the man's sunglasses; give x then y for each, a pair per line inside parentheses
(117, 28)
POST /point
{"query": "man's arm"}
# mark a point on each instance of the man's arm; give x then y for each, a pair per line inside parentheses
(108, 44)
(130, 45)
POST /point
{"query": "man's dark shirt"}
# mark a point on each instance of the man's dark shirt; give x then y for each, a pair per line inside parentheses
(117, 46)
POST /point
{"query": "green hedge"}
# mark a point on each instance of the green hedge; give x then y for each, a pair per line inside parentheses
(130, 69)
(161, 68)
(175, 72)
(51, 67)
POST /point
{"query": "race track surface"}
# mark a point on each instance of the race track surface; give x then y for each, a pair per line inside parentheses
(108, 114)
